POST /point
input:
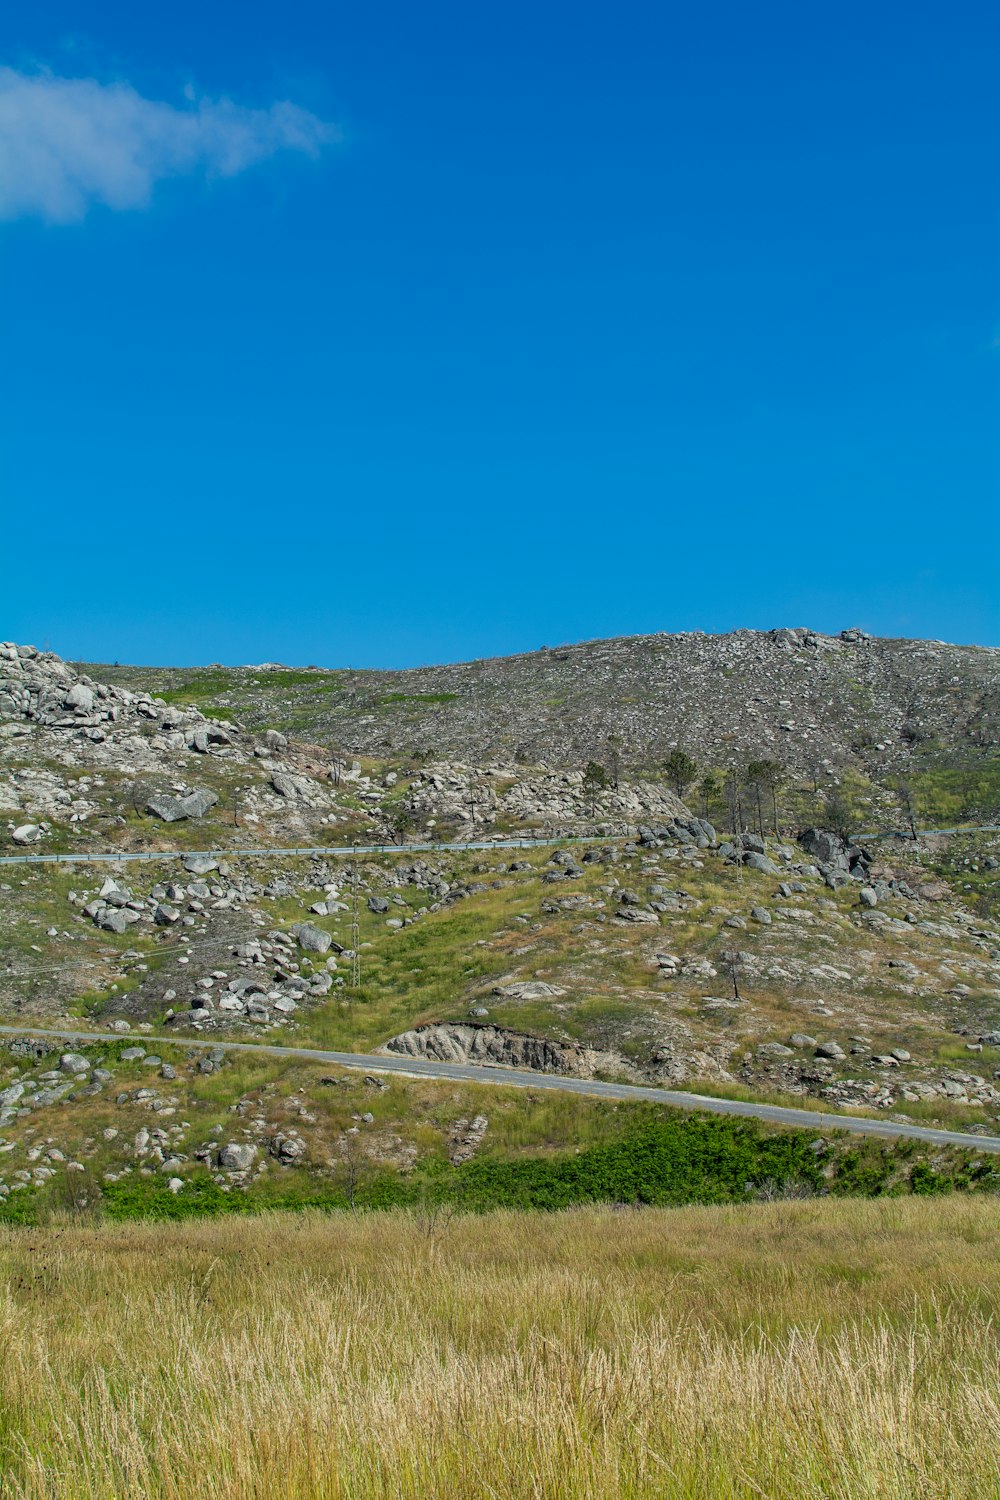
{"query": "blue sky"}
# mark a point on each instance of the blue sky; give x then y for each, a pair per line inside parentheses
(384, 334)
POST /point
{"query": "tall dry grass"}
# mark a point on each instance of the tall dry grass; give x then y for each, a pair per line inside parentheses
(816, 1349)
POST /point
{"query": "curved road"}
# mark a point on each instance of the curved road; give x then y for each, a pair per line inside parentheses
(417, 1067)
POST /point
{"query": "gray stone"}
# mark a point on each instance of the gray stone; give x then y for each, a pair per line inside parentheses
(832, 1050)
(761, 862)
(237, 1156)
(80, 697)
(528, 989)
(199, 864)
(287, 1148)
(378, 904)
(867, 896)
(197, 803)
(72, 1062)
(286, 786)
(169, 809)
(825, 847)
(762, 915)
(313, 939)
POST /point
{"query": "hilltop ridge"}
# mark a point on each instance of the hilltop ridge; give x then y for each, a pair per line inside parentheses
(808, 700)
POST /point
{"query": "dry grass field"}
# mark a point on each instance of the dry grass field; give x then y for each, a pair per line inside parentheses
(819, 1349)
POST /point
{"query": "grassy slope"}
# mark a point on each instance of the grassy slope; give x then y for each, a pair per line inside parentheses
(795, 1350)
(614, 996)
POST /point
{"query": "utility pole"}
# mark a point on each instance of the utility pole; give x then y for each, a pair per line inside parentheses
(355, 926)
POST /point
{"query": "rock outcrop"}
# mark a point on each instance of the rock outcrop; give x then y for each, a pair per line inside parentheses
(494, 1046)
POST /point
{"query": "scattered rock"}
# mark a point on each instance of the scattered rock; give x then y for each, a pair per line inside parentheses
(237, 1156)
(313, 939)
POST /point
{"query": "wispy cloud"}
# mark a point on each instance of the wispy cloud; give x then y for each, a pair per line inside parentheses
(67, 143)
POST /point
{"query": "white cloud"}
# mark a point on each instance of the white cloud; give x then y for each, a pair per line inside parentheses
(66, 143)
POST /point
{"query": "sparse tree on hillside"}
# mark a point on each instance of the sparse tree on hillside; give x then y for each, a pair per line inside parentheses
(399, 823)
(595, 780)
(732, 962)
(614, 759)
(680, 770)
(839, 817)
(734, 799)
(907, 799)
(478, 799)
(763, 779)
(710, 789)
(354, 1160)
(753, 786)
(775, 777)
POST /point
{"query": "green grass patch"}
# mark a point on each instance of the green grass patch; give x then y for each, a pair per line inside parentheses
(664, 1160)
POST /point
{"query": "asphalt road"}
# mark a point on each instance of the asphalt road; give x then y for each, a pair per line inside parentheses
(160, 854)
(413, 1067)
(345, 849)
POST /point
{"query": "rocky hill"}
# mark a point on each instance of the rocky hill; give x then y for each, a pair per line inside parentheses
(807, 700)
(85, 764)
(661, 949)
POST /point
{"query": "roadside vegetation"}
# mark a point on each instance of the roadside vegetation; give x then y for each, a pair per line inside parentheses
(148, 1146)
